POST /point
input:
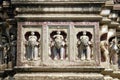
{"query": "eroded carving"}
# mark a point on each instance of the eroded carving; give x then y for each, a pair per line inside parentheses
(32, 47)
(13, 48)
(58, 46)
(113, 50)
(104, 47)
(104, 51)
(84, 47)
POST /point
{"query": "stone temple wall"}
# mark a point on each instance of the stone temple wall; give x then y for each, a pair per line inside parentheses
(59, 40)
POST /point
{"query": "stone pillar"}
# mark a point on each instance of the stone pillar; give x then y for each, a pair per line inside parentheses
(71, 42)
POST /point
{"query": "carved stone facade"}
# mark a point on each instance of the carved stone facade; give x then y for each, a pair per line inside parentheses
(55, 39)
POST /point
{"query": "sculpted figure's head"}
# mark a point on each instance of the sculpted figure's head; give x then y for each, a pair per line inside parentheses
(84, 32)
(32, 33)
(58, 32)
(113, 40)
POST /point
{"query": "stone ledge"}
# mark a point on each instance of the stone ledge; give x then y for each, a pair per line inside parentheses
(107, 72)
(56, 1)
(59, 17)
(58, 76)
(94, 69)
(113, 24)
(116, 74)
(1, 73)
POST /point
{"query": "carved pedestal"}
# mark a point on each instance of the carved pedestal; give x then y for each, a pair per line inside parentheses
(59, 73)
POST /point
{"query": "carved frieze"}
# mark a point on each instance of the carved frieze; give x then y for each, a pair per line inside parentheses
(57, 44)
(60, 9)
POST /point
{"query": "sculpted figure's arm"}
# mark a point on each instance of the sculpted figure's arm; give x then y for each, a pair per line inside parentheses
(37, 43)
(78, 43)
(54, 36)
(52, 43)
(66, 42)
(90, 44)
(62, 37)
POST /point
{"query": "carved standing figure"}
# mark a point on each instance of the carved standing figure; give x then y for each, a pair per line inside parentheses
(84, 50)
(104, 51)
(58, 48)
(32, 47)
(13, 49)
(113, 52)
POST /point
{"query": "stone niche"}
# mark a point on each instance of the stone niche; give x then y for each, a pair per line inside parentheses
(31, 35)
(37, 44)
(56, 45)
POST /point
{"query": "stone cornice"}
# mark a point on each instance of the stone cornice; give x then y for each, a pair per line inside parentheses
(56, 1)
(113, 24)
(59, 16)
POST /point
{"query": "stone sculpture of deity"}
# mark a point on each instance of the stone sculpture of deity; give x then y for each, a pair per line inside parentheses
(113, 50)
(13, 48)
(32, 47)
(58, 46)
(104, 51)
(84, 49)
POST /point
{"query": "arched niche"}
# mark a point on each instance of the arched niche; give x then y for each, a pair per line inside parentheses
(32, 46)
(27, 34)
(111, 38)
(84, 46)
(63, 33)
(103, 37)
(52, 49)
(89, 34)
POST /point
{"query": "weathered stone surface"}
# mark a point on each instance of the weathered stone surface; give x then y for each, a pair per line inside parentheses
(71, 17)
(58, 76)
(59, 9)
(94, 69)
(59, 16)
(27, 1)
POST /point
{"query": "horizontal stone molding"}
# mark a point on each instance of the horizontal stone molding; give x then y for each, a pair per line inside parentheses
(59, 17)
(58, 76)
(94, 69)
(56, 1)
(60, 9)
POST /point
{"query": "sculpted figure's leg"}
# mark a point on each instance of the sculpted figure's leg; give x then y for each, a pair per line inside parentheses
(62, 53)
(111, 58)
(83, 54)
(27, 55)
(79, 53)
(88, 53)
(115, 59)
(55, 53)
(30, 52)
(106, 53)
(36, 53)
